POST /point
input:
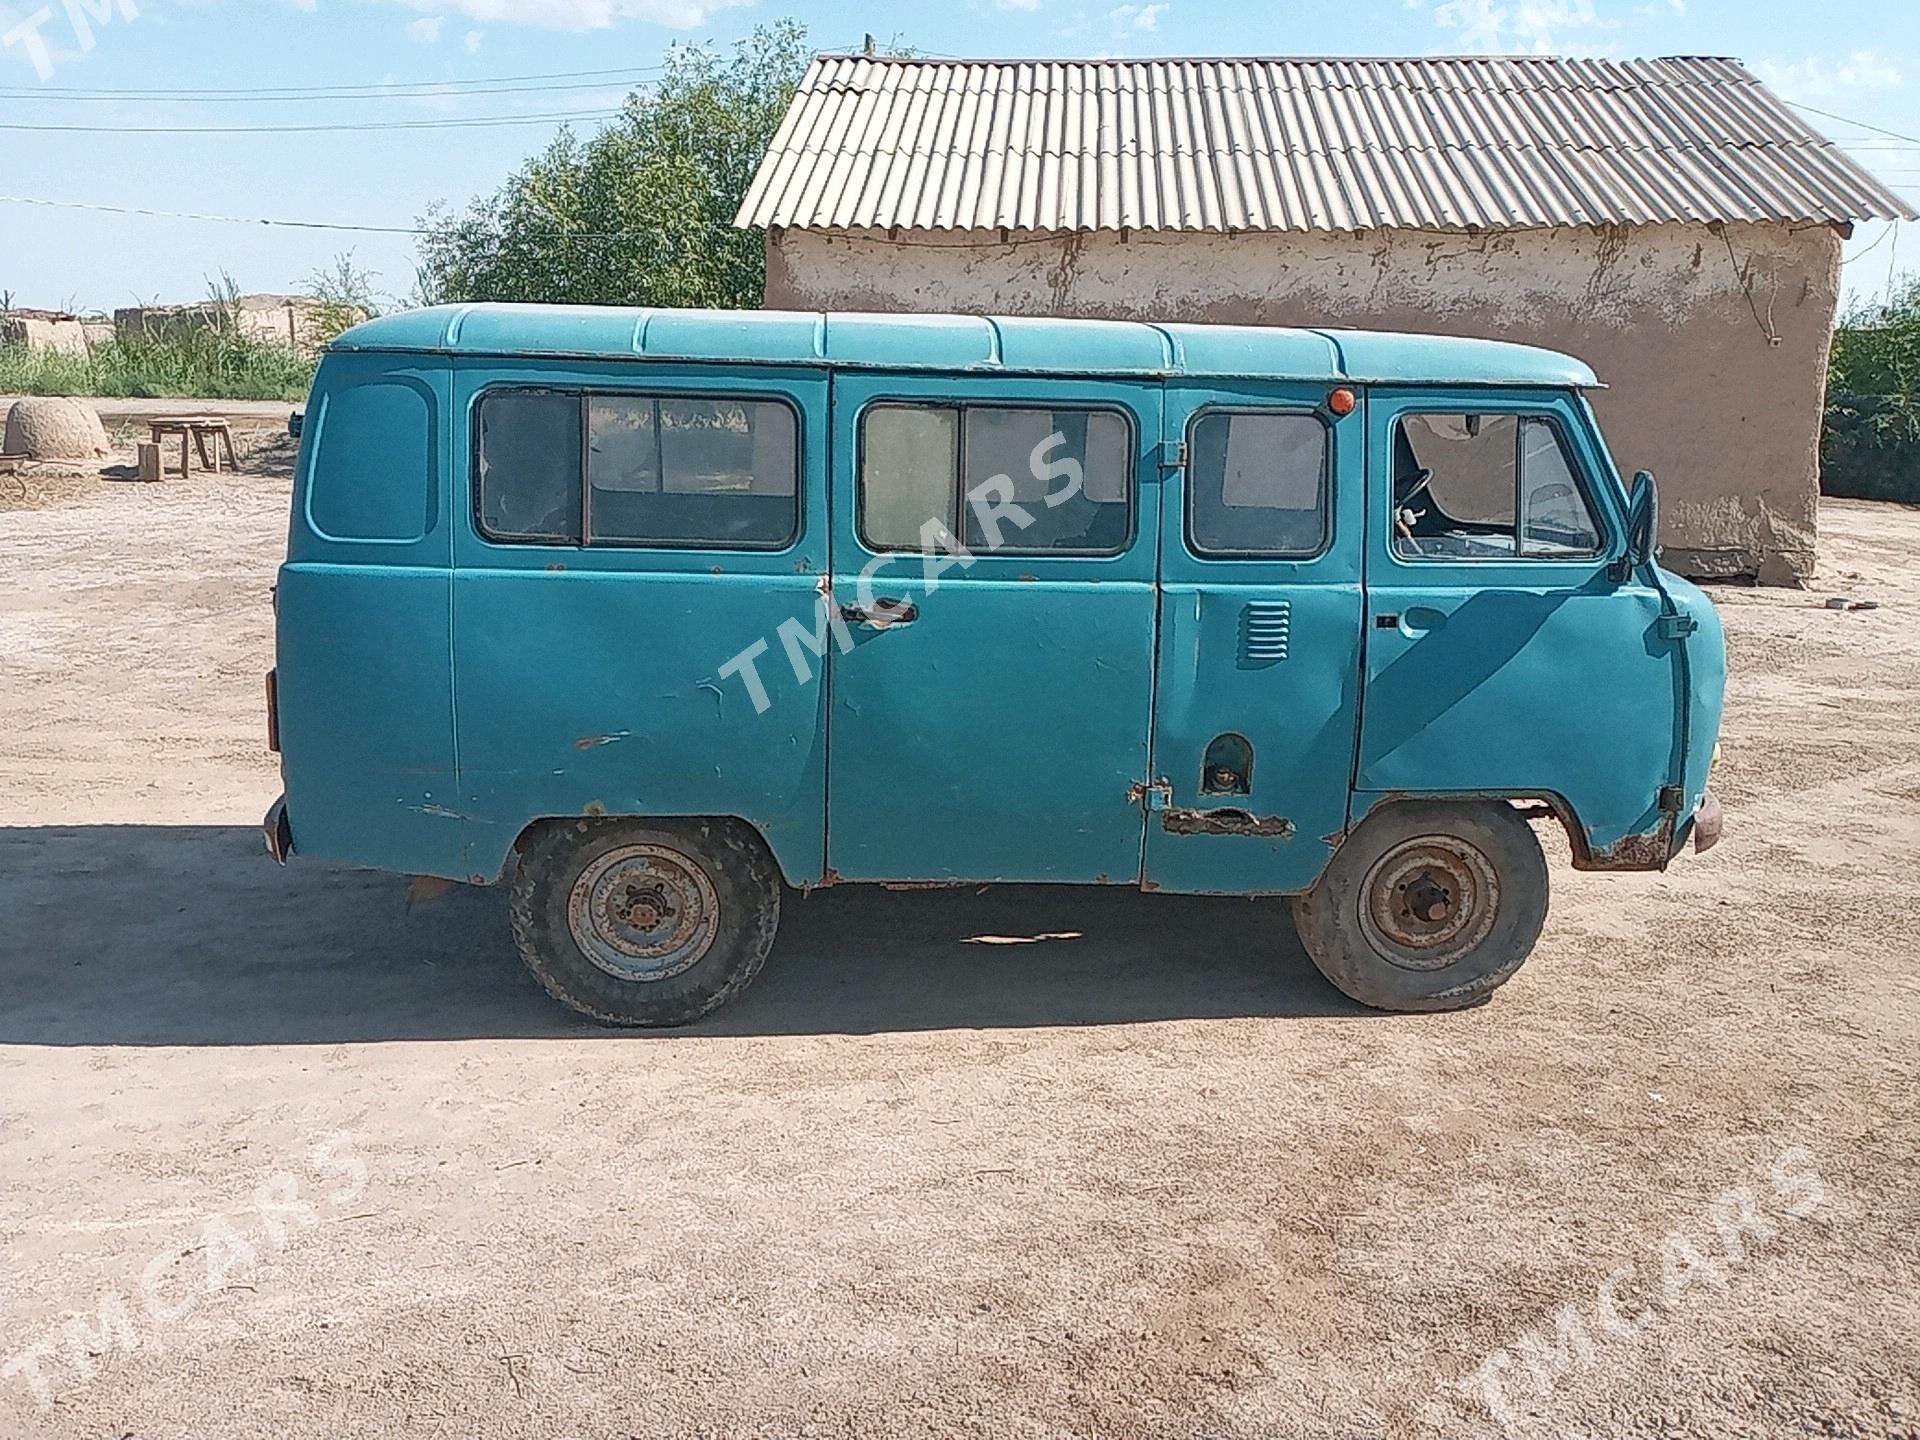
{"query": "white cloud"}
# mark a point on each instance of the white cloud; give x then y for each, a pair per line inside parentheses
(426, 29)
(1538, 27)
(472, 40)
(1016, 4)
(580, 14)
(1813, 77)
(1137, 17)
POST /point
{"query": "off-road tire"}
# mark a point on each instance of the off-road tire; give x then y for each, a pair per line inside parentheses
(736, 865)
(1356, 951)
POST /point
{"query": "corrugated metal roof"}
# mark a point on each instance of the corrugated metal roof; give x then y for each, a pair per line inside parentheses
(1296, 144)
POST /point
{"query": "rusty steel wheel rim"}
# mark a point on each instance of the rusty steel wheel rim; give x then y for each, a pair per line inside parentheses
(1430, 901)
(643, 912)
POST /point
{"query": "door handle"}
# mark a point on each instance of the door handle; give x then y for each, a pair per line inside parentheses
(884, 616)
(1417, 621)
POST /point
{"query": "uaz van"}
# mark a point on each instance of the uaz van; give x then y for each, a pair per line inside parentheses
(650, 614)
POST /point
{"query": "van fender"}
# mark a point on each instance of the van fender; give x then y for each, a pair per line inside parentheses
(501, 869)
(1643, 848)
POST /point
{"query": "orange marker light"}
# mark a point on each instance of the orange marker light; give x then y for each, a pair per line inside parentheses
(1342, 401)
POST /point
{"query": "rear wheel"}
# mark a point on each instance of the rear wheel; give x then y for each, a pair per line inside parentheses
(645, 922)
(1428, 905)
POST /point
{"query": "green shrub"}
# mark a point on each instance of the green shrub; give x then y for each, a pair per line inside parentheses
(200, 364)
(1870, 450)
(1871, 447)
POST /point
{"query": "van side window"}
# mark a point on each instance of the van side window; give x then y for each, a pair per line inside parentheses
(663, 471)
(654, 470)
(1016, 480)
(1468, 487)
(529, 466)
(1257, 484)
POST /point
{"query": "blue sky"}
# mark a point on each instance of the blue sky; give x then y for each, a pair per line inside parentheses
(1856, 58)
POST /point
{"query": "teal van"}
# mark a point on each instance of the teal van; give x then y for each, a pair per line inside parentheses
(653, 616)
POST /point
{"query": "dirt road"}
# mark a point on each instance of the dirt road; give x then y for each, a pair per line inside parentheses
(297, 1161)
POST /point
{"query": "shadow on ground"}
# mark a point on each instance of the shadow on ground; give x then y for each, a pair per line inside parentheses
(158, 935)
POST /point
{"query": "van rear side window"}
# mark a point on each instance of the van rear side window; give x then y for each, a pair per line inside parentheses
(600, 468)
(530, 466)
(373, 469)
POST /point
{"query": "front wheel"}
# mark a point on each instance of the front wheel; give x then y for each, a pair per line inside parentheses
(1428, 905)
(645, 922)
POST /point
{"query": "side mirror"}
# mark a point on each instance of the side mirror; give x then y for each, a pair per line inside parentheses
(1643, 519)
(1643, 528)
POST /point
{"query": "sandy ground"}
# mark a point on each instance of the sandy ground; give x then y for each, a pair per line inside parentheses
(331, 1166)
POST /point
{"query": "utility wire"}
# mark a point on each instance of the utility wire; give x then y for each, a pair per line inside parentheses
(471, 122)
(328, 92)
(450, 92)
(1848, 120)
(288, 224)
(1862, 254)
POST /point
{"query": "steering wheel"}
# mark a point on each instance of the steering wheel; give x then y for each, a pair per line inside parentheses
(1417, 486)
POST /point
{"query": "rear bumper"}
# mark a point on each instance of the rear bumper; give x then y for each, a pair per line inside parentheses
(1708, 823)
(277, 832)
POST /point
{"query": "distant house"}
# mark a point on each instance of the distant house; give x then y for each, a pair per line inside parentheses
(1669, 221)
(295, 321)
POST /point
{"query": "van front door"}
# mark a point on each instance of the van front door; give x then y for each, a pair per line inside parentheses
(1260, 635)
(1506, 653)
(993, 568)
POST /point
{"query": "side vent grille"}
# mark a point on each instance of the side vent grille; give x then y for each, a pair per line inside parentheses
(1265, 628)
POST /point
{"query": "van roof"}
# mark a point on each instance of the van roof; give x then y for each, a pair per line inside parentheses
(965, 343)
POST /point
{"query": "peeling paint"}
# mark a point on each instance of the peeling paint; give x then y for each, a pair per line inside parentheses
(1648, 850)
(1224, 821)
(591, 742)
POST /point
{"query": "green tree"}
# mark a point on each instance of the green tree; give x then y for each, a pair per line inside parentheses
(642, 212)
(1872, 442)
(1876, 348)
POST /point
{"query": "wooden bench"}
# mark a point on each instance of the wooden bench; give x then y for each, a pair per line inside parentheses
(206, 434)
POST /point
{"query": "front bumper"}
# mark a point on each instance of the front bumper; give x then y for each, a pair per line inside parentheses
(277, 832)
(1708, 823)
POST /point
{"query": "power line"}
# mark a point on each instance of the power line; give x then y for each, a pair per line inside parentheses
(1848, 120)
(444, 92)
(1862, 254)
(472, 122)
(289, 224)
(377, 88)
